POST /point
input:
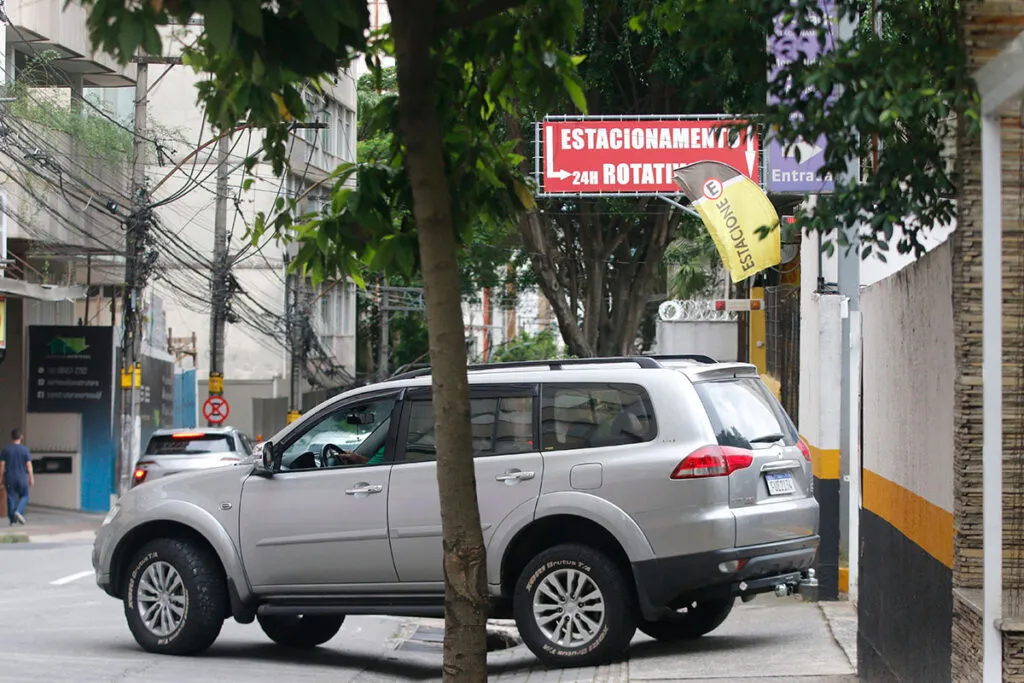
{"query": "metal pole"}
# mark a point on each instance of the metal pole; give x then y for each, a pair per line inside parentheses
(134, 236)
(383, 353)
(219, 302)
(992, 395)
(849, 398)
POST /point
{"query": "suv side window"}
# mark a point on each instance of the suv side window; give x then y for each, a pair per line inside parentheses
(350, 435)
(592, 415)
(501, 423)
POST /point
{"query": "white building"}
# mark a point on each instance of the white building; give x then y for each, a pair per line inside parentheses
(256, 359)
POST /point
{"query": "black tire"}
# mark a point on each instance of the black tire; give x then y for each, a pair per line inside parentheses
(698, 619)
(203, 596)
(300, 630)
(620, 607)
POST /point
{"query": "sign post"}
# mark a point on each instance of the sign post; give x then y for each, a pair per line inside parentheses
(216, 409)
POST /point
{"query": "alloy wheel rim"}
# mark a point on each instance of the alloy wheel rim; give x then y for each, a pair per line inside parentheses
(569, 608)
(162, 599)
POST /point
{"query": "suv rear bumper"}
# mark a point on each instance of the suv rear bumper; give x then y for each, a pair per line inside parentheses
(668, 582)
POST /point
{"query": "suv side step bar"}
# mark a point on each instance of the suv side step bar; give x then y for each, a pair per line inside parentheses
(412, 605)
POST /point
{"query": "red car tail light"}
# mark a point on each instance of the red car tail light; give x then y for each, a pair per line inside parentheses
(804, 449)
(139, 476)
(713, 461)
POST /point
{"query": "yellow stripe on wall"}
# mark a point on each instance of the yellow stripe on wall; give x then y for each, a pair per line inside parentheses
(824, 461)
(923, 522)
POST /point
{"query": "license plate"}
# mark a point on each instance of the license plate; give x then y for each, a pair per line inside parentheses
(780, 483)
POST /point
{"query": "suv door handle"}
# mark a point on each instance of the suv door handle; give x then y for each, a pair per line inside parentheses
(513, 476)
(364, 490)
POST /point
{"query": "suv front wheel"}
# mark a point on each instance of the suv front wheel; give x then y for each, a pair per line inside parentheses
(574, 606)
(300, 630)
(698, 619)
(175, 599)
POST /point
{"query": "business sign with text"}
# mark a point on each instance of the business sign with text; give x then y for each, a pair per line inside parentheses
(595, 156)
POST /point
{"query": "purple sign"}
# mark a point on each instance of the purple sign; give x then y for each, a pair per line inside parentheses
(784, 173)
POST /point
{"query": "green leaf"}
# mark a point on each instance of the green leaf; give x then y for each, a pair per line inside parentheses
(321, 23)
(576, 93)
(249, 16)
(636, 24)
(130, 34)
(218, 23)
(248, 183)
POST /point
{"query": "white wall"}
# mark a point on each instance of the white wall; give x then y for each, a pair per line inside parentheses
(60, 435)
(715, 338)
(909, 371)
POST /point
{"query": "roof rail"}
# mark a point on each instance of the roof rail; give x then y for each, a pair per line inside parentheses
(647, 362)
(698, 357)
(558, 363)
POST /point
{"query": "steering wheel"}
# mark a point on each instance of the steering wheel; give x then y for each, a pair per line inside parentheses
(333, 455)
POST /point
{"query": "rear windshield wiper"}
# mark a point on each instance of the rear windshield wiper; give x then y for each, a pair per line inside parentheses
(767, 438)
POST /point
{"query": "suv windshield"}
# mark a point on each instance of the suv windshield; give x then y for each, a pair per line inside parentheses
(744, 413)
(190, 444)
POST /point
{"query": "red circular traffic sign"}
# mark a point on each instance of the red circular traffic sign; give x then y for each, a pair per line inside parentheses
(216, 409)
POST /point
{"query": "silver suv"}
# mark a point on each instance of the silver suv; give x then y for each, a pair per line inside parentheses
(615, 494)
(173, 451)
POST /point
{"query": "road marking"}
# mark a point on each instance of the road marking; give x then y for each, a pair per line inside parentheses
(73, 577)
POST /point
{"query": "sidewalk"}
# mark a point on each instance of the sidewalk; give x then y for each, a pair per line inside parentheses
(52, 525)
(770, 640)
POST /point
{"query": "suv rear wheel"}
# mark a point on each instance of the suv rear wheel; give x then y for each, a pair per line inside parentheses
(300, 630)
(574, 607)
(698, 618)
(176, 598)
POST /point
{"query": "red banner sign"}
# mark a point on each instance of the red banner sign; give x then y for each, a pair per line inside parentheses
(634, 156)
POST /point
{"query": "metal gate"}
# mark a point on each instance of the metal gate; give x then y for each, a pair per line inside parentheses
(782, 332)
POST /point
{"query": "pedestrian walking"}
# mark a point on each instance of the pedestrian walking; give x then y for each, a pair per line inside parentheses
(16, 476)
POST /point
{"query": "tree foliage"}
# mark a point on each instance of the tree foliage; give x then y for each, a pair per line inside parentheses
(599, 260)
(462, 69)
(526, 346)
(891, 96)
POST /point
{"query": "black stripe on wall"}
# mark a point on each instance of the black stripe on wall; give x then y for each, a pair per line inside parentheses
(826, 492)
(904, 610)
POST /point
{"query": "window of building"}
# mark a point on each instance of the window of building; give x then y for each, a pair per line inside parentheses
(595, 416)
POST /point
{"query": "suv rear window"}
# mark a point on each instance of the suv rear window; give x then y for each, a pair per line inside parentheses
(595, 416)
(744, 413)
(197, 444)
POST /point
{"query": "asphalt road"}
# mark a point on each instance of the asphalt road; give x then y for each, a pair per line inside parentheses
(57, 625)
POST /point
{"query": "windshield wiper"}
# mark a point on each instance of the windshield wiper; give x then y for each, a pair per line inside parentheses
(767, 438)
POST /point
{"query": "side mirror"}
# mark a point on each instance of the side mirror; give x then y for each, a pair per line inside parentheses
(266, 462)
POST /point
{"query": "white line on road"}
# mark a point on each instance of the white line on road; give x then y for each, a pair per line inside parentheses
(73, 577)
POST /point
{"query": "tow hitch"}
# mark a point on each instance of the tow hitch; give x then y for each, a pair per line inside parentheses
(803, 582)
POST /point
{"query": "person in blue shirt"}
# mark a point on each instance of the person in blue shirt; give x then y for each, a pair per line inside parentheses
(16, 476)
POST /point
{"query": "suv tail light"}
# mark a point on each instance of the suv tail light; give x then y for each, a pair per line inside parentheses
(713, 461)
(804, 449)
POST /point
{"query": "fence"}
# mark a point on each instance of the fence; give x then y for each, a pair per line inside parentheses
(782, 332)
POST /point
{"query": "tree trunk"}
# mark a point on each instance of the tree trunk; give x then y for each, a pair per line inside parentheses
(465, 640)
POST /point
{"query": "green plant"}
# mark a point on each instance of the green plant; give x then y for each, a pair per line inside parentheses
(526, 346)
(95, 136)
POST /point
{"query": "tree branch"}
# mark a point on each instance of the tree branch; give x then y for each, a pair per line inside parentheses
(485, 9)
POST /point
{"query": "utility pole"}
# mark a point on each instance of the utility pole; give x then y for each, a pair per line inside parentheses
(849, 399)
(383, 353)
(219, 283)
(296, 321)
(135, 244)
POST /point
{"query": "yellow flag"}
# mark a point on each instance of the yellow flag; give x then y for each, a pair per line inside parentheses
(733, 207)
